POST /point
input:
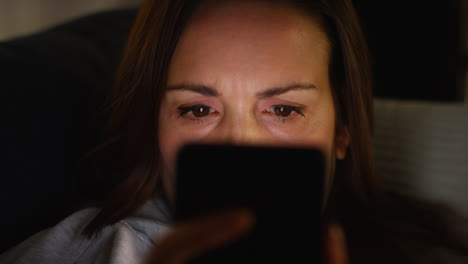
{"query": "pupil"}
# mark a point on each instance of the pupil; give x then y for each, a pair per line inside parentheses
(283, 111)
(201, 111)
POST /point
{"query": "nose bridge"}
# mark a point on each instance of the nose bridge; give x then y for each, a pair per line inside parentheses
(241, 128)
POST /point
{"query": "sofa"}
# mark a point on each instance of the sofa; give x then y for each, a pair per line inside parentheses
(54, 84)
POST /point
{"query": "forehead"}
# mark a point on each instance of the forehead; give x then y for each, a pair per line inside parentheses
(250, 42)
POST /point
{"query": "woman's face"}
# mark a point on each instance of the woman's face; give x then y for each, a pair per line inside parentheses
(249, 73)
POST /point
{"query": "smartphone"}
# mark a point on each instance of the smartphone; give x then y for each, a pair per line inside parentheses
(283, 186)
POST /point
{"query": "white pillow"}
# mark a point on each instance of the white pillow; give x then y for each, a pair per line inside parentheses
(421, 150)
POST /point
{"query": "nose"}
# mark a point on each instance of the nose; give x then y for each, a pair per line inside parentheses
(240, 130)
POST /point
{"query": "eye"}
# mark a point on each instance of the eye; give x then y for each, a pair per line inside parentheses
(197, 111)
(285, 110)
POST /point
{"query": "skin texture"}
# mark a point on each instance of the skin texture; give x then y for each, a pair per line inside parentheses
(240, 52)
(246, 73)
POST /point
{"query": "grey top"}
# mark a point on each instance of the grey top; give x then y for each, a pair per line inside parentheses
(132, 239)
(128, 241)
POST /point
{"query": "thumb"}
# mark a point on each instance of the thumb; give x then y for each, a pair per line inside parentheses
(336, 249)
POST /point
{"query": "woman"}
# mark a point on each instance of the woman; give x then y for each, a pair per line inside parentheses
(243, 72)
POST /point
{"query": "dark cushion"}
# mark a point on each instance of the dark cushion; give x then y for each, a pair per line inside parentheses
(53, 87)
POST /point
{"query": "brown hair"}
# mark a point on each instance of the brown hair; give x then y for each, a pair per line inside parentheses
(131, 155)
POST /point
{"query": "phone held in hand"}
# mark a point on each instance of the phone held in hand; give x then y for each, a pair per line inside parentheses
(283, 186)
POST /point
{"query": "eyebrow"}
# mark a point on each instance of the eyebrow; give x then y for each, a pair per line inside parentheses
(281, 90)
(201, 89)
(208, 91)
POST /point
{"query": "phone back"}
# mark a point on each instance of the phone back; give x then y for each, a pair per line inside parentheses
(283, 186)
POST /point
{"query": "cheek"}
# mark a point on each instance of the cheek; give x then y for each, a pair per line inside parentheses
(326, 137)
(317, 132)
(169, 145)
(320, 133)
(326, 127)
(171, 138)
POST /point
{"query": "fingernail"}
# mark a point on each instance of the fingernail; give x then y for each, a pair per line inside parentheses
(339, 253)
(338, 235)
(246, 217)
(240, 218)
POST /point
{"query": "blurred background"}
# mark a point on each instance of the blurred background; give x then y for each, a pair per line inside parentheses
(19, 17)
(420, 48)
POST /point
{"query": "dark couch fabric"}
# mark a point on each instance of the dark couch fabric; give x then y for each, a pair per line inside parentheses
(53, 86)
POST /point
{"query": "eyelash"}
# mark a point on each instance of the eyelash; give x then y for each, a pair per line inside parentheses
(297, 109)
(185, 110)
(272, 109)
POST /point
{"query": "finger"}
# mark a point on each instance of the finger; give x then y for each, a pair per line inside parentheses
(200, 235)
(336, 252)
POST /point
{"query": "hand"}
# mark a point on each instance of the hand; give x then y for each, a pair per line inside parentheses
(196, 237)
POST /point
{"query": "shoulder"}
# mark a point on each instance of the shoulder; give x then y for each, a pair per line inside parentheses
(131, 239)
(127, 241)
(53, 244)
